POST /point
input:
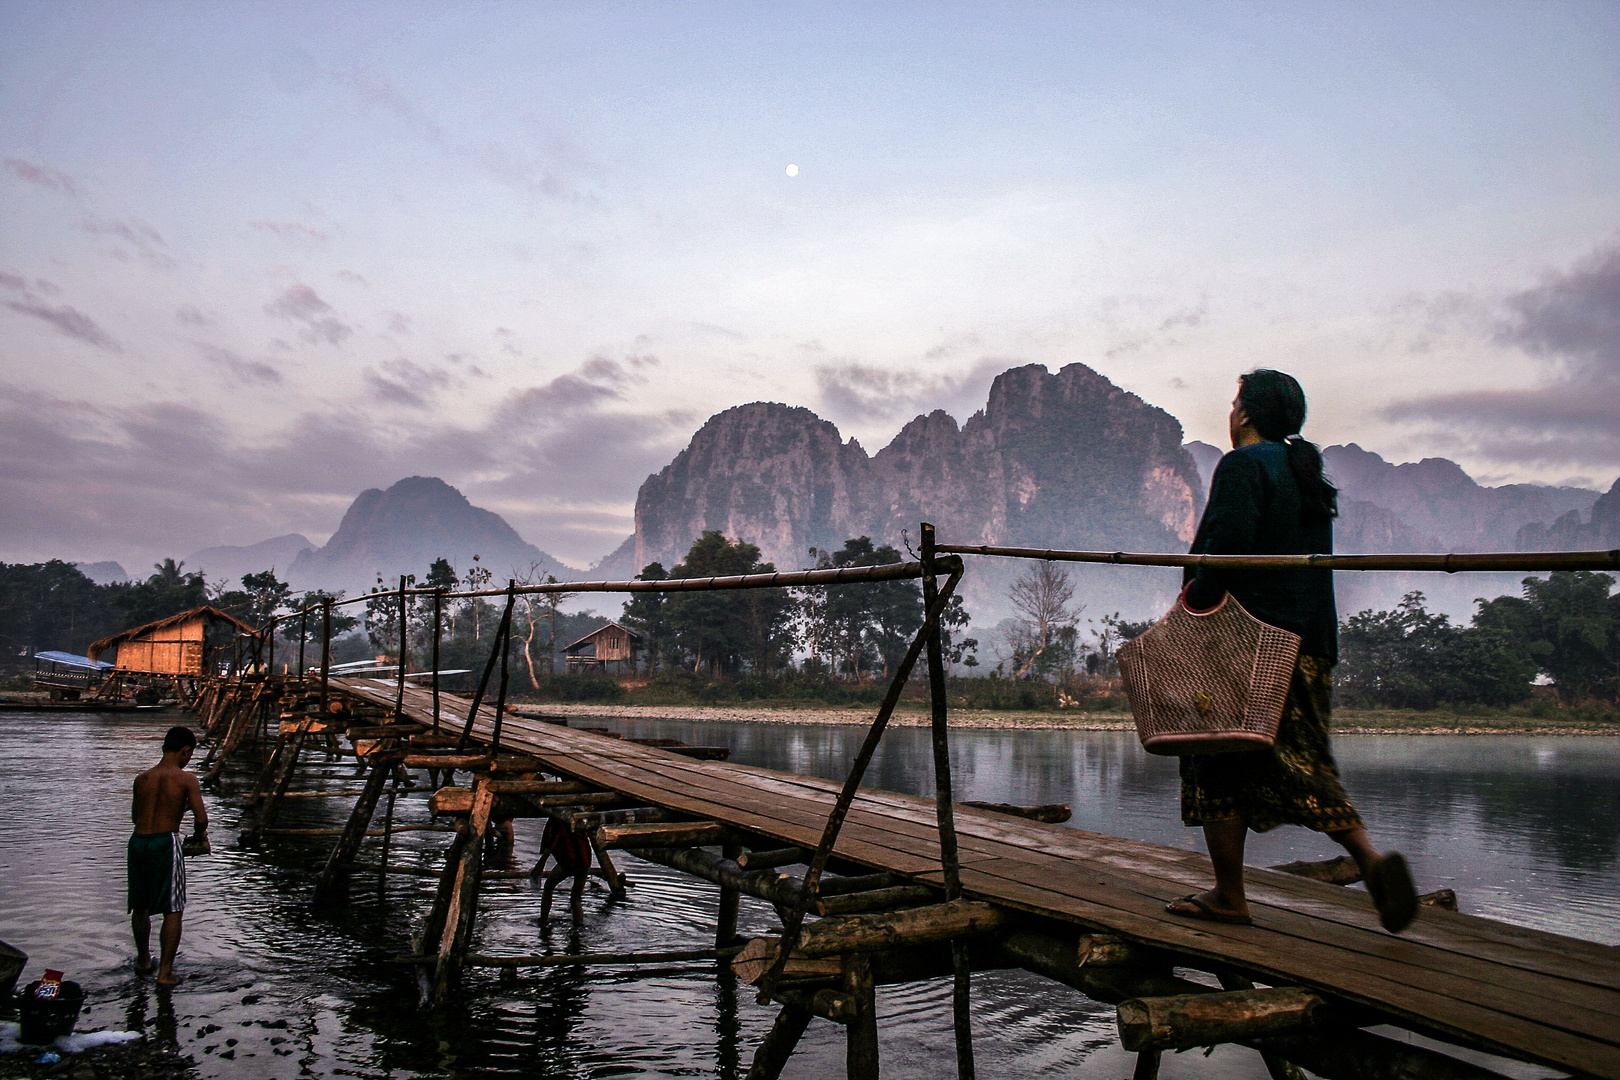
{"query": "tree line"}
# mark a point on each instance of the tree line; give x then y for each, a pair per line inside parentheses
(1563, 629)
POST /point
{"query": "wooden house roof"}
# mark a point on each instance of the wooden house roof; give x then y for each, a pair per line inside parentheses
(590, 638)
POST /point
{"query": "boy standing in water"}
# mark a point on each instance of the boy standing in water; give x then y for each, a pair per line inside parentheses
(157, 868)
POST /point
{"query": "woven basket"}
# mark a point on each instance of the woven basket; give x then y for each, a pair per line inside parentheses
(1208, 683)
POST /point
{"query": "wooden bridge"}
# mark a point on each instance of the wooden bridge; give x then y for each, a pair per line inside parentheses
(910, 888)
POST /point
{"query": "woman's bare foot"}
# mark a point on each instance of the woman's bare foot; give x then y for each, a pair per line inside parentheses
(1211, 905)
(144, 965)
(168, 978)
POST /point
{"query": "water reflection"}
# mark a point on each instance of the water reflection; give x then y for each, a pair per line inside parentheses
(1524, 829)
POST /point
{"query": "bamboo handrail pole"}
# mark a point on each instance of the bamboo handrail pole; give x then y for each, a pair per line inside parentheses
(835, 819)
(303, 632)
(438, 620)
(796, 579)
(399, 693)
(1528, 561)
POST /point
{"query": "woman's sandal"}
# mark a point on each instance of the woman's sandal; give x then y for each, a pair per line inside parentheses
(1393, 892)
(1203, 910)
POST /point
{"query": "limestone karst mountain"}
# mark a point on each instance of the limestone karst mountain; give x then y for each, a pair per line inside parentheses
(225, 565)
(1062, 460)
(402, 530)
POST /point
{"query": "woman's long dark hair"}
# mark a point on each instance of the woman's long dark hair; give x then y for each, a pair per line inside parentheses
(1275, 404)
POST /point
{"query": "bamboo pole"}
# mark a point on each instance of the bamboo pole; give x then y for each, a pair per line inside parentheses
(506, 653)
(326, 650)
(1530, 562)
(483, 682)
(404, 649)
(961, 1018)
(438, 624)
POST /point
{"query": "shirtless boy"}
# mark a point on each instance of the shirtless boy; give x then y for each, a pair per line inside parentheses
(157, 870)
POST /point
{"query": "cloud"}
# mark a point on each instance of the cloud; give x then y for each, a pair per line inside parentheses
(527, 174)
(1570, 322)
(292, 230)
(562, 460)
(43, 175)
(13, 281)
(851, 391)
(405, 383)
(191, 316)
(300, 304)
(146, 241)
(68, 320)
(250, 372)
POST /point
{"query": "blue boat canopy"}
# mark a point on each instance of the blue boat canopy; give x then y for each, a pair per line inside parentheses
(72, 660)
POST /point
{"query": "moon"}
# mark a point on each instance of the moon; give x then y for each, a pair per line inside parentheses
(793, 170)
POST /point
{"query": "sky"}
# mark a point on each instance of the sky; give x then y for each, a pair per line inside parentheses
(258, 257)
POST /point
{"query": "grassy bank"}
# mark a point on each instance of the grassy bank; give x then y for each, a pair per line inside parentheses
(997, 703)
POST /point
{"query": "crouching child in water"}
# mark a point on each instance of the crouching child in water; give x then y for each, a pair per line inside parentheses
(572, 851)
(157, 867)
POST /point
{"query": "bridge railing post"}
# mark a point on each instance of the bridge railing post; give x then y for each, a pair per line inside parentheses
(950, 865)
(438, 617)
(326, 650)
(404, 643)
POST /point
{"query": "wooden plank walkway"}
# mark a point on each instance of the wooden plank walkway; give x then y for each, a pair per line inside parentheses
(1509, 990)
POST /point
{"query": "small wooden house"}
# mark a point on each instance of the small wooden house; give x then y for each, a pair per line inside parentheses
(601, 646)
(171, 646)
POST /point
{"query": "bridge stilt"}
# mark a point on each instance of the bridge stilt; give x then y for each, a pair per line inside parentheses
(459, 891)
(860, 1034)
(341, 857)
(772, 1056)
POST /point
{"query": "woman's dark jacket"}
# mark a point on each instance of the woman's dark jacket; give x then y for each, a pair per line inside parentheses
(1254, 509)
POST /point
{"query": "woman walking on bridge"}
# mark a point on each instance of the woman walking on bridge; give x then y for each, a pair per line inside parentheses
(1269, 497)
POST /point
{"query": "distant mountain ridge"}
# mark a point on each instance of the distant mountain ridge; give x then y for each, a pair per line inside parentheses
(226, 564)
(1063, 460)
(403, 529)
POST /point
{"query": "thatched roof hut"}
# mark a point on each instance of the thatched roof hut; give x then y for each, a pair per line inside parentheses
(171, 646)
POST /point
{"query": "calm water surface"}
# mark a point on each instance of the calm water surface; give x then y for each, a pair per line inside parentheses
(1525, 829)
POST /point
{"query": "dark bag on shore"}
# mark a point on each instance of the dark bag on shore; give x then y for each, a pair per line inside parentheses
(1211, 682)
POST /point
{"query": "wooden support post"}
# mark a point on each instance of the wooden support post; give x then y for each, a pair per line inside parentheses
(610, 873)
(772, 1055)
(462, 901)
(483, 682)
(860, 1033)
(303, 632)
(404, 650)
(950, 867)
(793, 918)
(725, 926)
(438, 623)
(388, 831)
(1147, 1065)
(506, 653)
(341, 857)
(326, 650)
(270, 806)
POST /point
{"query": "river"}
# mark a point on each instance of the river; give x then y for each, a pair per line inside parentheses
(1525, 829)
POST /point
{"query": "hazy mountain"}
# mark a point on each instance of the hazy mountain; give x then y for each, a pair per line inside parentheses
(1060, 460)
(226, 564)
(1206, 457)
(102, 573)
(1600, 531)
(402, 530)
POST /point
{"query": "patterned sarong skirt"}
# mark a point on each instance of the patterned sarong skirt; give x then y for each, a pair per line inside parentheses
(1295, 782)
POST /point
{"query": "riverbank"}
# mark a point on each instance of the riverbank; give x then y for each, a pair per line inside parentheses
(1345, 721)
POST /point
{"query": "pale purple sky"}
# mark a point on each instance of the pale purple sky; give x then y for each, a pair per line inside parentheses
(257, 257)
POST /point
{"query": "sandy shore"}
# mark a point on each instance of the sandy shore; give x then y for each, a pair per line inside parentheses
(1346, 722)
